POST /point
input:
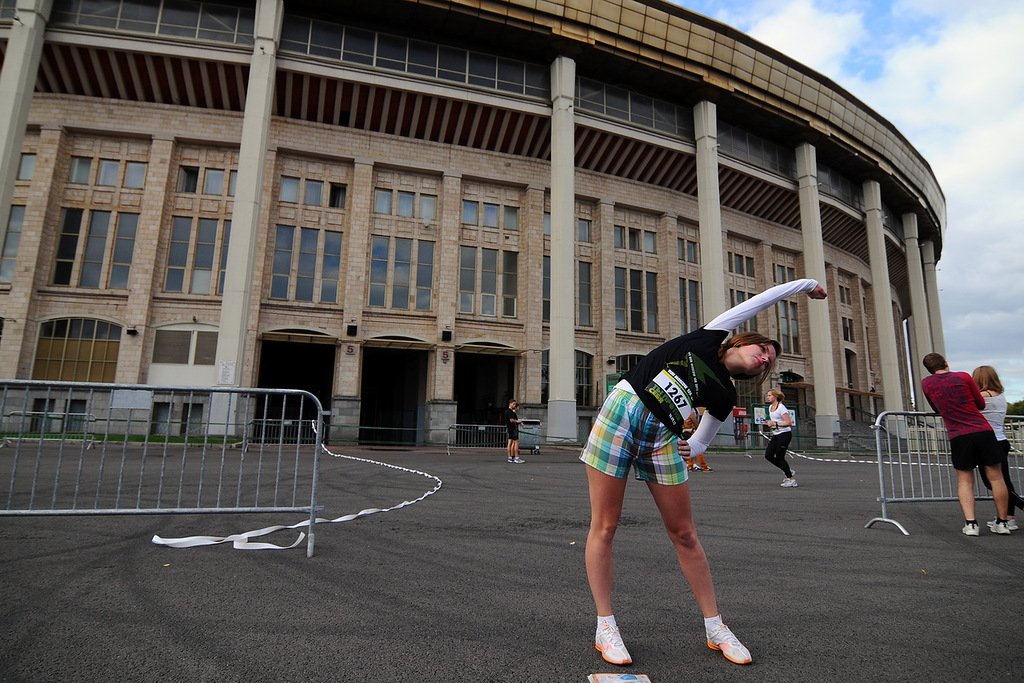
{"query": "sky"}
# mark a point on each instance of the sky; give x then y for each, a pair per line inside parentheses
(948, 74)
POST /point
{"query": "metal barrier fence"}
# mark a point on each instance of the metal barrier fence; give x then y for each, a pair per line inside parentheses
(464, 436)
(75, 448)
(476, 436)
(914, 462)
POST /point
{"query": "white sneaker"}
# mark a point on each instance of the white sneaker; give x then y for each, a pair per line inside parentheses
(997, 527)
(789, 483)
(609, 643)
(971, 530)
(724, 641)
(517, 460)
(1011, 524)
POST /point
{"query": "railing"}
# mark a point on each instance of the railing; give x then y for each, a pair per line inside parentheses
(478, 437)
(45, 424)
(465, 436)
(914, 462)
(72, 448)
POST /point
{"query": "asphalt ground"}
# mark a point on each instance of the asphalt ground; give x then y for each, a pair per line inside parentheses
(485, 581)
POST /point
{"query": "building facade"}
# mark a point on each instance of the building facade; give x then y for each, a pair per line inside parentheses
(418, 209)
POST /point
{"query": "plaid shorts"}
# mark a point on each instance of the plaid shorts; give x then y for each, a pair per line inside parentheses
(626, 433)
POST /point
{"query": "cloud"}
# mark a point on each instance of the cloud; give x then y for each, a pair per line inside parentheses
(948, 75)
(818, 38)
(958, 95)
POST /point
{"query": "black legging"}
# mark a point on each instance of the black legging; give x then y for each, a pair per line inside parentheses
(775, 453)
(1014, 500)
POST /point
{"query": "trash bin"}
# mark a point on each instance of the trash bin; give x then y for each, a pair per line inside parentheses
(529, 435)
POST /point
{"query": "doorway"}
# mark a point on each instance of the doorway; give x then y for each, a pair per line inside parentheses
(295, 365)
(484, 383)
(393, 396)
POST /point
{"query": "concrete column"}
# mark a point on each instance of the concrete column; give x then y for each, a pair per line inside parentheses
(931, 285)
(604, 282)
(561, 417)
(709, 211)
(357, 247)
(33, 262)
(826, 417)
(346, 404)
(146, 273)
(17, 83)
(888, 358)
(669, 324)
(531, 289)
(234, 331)
(447, 265)
(920, 333)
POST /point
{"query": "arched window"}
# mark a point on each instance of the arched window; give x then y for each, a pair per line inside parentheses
(77, 349)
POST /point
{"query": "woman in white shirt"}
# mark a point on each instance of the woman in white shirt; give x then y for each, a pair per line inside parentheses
(781, 424)
(987, 379)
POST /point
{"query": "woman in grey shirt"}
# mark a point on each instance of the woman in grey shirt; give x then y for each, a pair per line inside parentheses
(987, 379)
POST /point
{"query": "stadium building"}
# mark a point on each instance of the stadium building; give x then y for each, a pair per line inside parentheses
(416, 209)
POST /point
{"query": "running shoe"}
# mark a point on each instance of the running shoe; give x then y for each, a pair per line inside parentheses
(971, 530)
(1011, 524)
(705, 468)
(609, 643)
(789, 483)
(517, 460)
(998, 527)
(724, 641)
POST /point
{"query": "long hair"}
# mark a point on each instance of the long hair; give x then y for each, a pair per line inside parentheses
(987, 379)
(744, 339)
(777, 393)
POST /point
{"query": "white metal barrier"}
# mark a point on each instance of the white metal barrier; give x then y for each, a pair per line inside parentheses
(464, 436)
(914, 462)
(74, 448)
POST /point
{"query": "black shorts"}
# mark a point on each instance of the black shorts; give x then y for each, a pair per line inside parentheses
(976, 449)
(513, 433)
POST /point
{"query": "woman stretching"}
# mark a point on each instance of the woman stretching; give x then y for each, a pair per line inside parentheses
(781, 424)
(639, 426)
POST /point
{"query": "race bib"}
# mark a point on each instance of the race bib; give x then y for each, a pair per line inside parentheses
(672, 394)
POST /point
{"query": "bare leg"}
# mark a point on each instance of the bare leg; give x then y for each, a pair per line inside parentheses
(674, 505)
(965, 492)
(606, 494)
(1000, 493)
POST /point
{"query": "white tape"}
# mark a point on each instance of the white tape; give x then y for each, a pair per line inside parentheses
(242, 541)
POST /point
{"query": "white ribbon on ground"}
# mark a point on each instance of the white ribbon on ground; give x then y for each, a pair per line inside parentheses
(242, 541)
